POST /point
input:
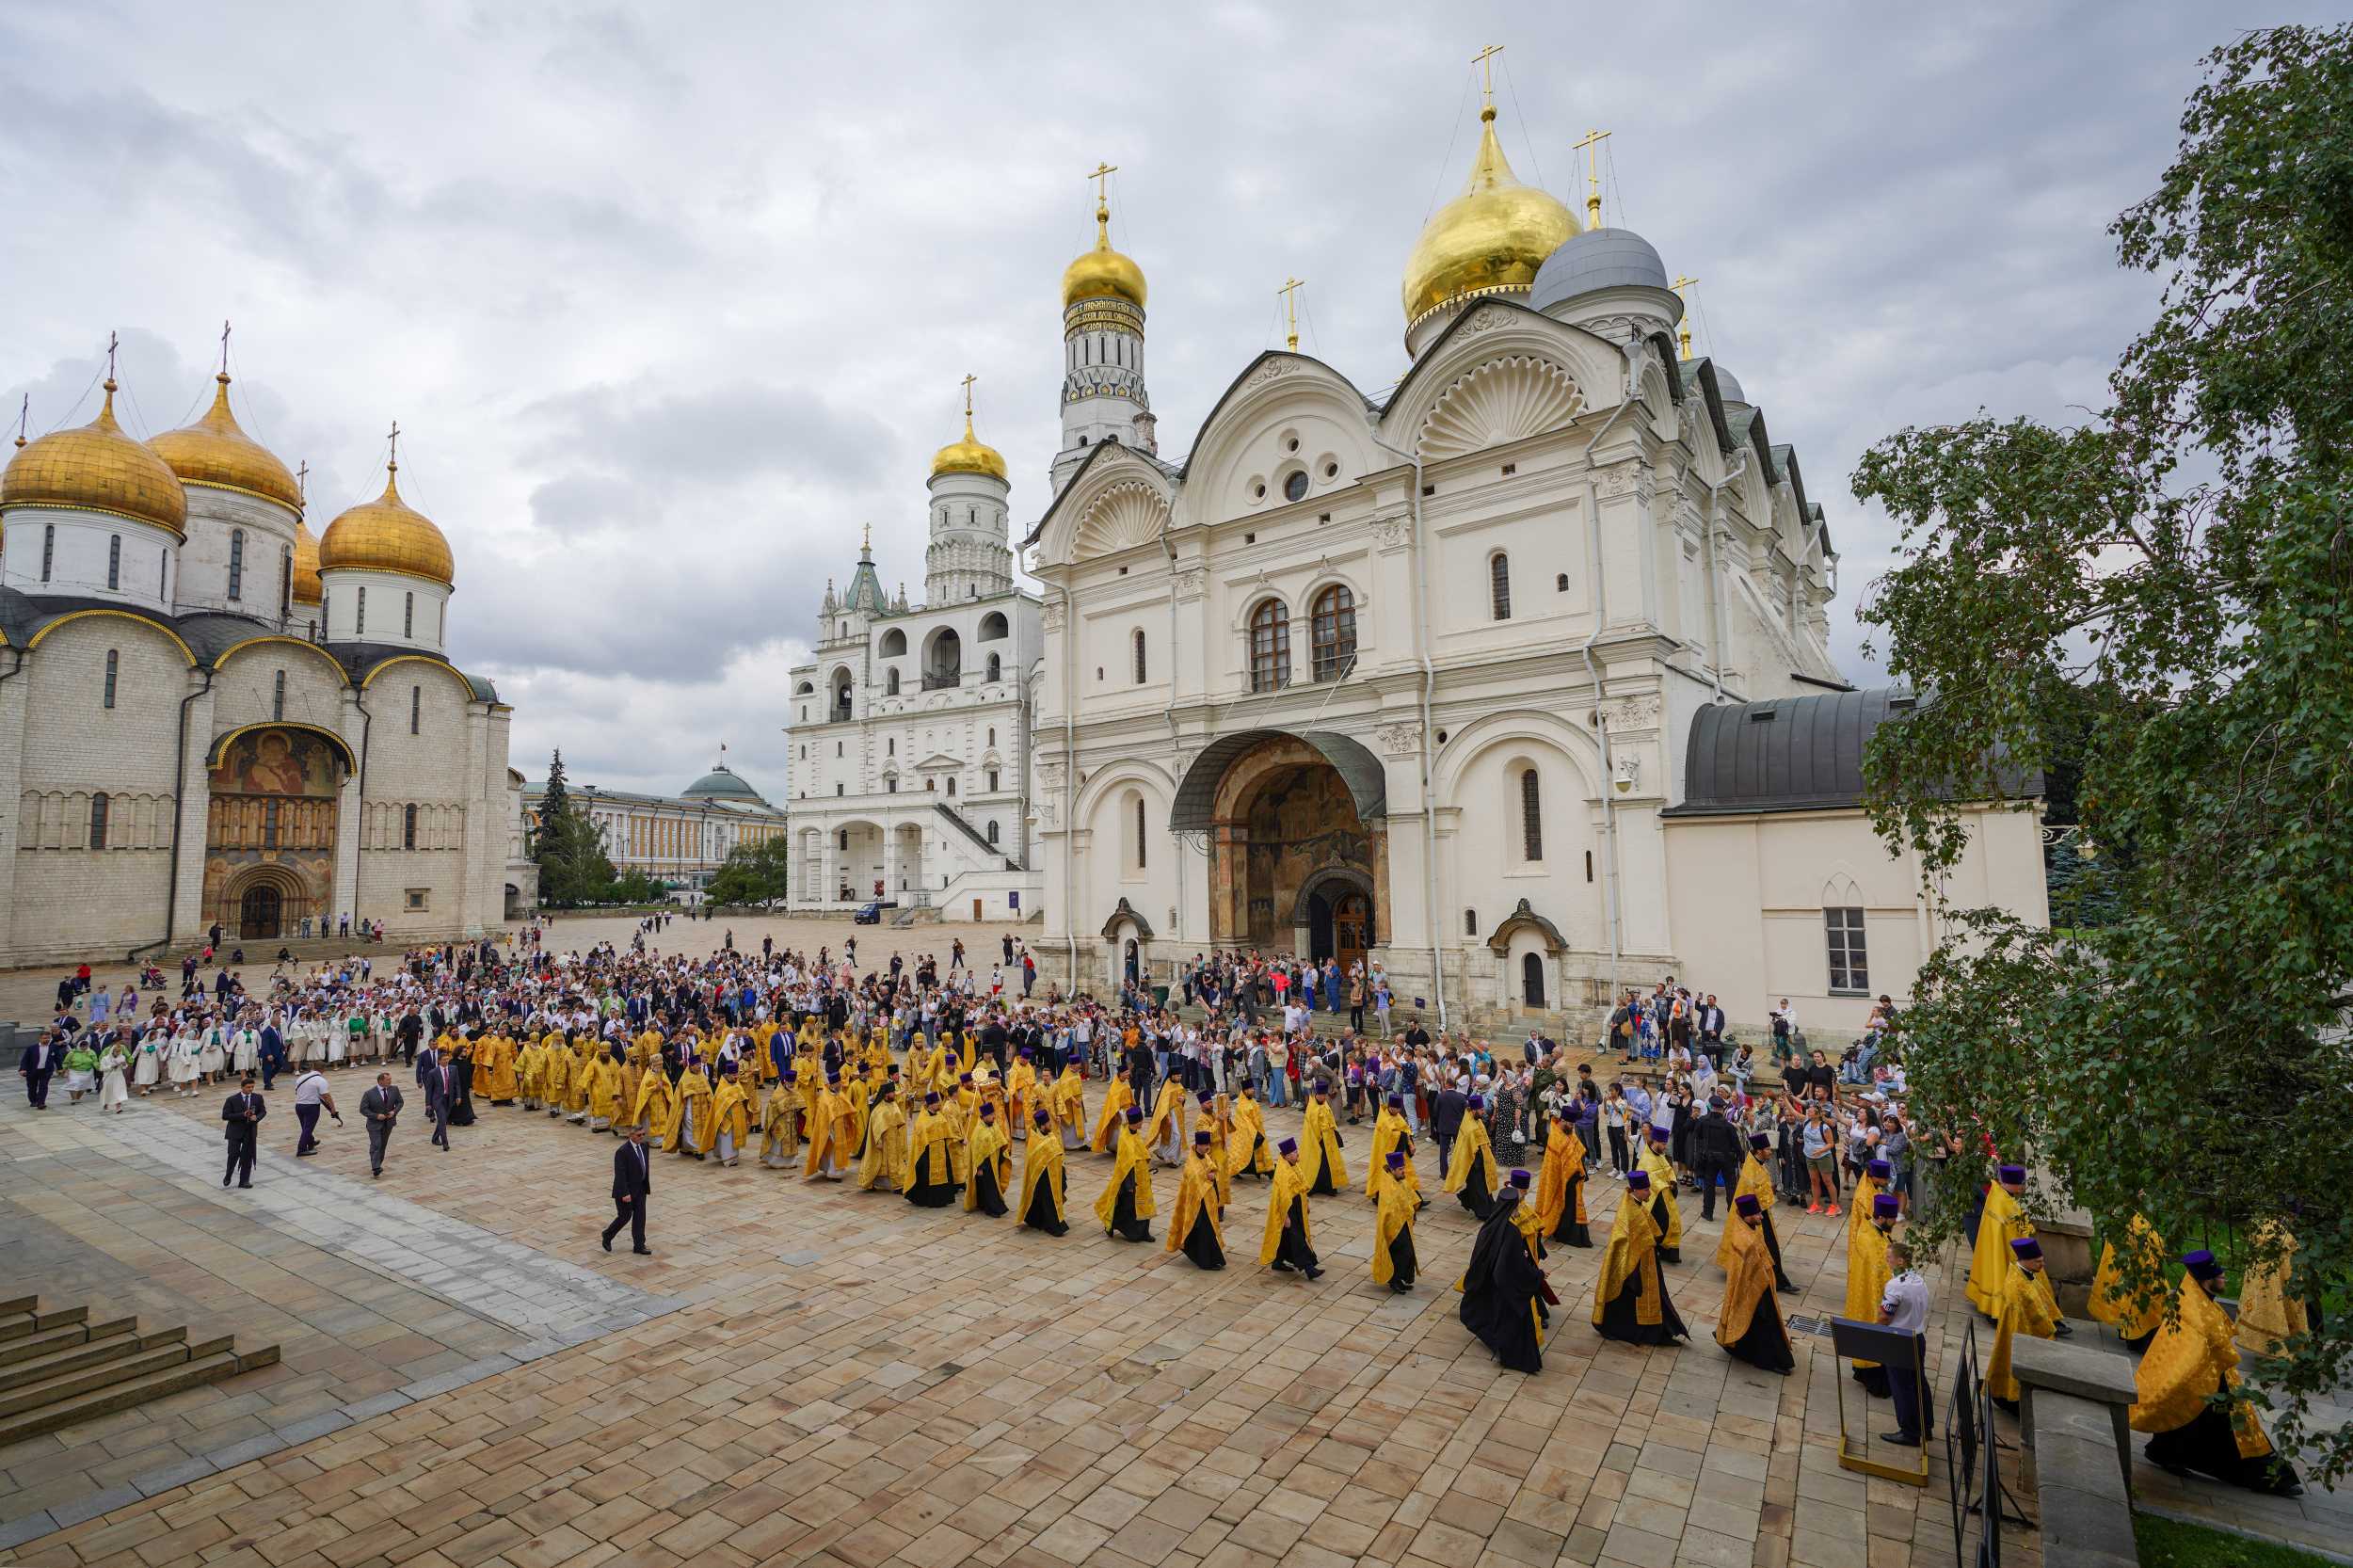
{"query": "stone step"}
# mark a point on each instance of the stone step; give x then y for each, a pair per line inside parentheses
(120, 1396)
(11, 1306)
(125, 1366)
(32, 1347)
(91, 1352)
(62, 1317)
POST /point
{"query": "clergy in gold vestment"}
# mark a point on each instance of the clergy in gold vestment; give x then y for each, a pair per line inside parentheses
(1320, 1147)
(1749, 1327)
(1045, 1188)
(884, 1167)
(1020, 1093)
(497, 1071)
(692, 1126)
(657, 1107)
(2192, 1359)
(1117, 1101)
(1126, 1206)
(2028, 1307)
(1247, 1153)
(1193, 1226)
(1393, 1260)
(1665, 1211)
(1070, 1102)
(1389, 1131)
(1756, 1181)
(730, 1120)
(1285, 1246)
(604, 1091)
(931, 1178)
(1559, 1204)
(1630, 1301)
(990, 1158)
(1470, 1174)
(1164, 1129)
(2135, 1317)
(2268, 1315)
(829, 1145)
(1868, 1273)
(2002, 1222)
(555, 1075)
(780, 1126)
(1214, 1119)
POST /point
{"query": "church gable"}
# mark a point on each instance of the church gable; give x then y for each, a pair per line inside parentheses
(1290, 429)
(1117, 500)
(1128, 513)
(1499, 402)
(1501, 374)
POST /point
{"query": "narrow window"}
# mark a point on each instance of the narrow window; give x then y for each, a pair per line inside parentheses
(1137, 640)
(992, 781)
(269, 824)
(359, 627)
(995, 667)
(1139, 833)
(1531, 817)
(98, 819)
(845, 841)
(891, 747)
(992, 734)
(163, 575)
(952, 784)
(1470, 923)
(1561, 582)
(1332, 632)
(1270, 647)
(114, 564)
(1589, 865)
(237, 563)
(408, 827)
(408, 614)
(48, 548)
(1500, 586)
(1850, 964)
(285, 584)
(114, 665)
(416, 709)
(890, 685)
(992, 833)
(278, 695)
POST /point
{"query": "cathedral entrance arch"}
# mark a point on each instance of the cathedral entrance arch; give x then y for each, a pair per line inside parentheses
(258, 912)
(1298, 843)
(270, 827)
(265, 903)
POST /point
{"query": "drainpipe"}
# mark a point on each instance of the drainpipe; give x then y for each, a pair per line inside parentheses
(1601, 684)
(1429, 757)
(1169, 547)
(1070, 776)
(179, 785)
(367, 729)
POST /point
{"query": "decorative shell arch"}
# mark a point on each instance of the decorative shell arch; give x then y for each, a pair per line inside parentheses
(1127, 514)
(1502, 401)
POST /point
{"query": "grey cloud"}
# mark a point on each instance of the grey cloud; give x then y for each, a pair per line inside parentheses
(714, 435)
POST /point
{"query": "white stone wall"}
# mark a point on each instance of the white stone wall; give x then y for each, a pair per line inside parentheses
(400, 609)
(62, 551)
(427, 766)
(217, 519)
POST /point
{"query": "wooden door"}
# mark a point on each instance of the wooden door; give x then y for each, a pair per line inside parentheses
(1351, 929)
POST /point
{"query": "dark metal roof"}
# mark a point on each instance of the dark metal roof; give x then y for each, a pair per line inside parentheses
(1790, 754)
(1359, 769)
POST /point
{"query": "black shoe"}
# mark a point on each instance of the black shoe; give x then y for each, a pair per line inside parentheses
(377, 1172)
(1900, 1440)
(2062, 1332)
(224, 1181)
(643, 1252)
(245, 1184)
(608, 1243)
(1314, 1273)
(1280, 1267)
(1788, 1289)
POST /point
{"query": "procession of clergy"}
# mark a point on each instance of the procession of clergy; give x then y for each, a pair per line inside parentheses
(2186, 1382)
(835, 1104)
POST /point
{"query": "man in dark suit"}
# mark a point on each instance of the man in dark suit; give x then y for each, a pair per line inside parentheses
(440, 1094)
(242, 1112)
(379, 1108)
(1716, 1156)
(632, 1184)
(39, 1060)
(1711, 1022)
(272, 1054)
(1446, 1110)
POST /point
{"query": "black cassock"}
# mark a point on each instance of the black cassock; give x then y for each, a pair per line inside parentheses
(1478, 1193)
(1125, 1222)
(1040, 1215)
(2208, 1445)
(1291, 1249)
(986, 1193)
(1503, 1291)
(1569, 1230)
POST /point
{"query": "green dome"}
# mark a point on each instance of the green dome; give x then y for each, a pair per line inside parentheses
(721, 783)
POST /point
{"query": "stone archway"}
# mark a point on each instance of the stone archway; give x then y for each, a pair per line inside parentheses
(1287, 848)
(271, 824)
(266, 904)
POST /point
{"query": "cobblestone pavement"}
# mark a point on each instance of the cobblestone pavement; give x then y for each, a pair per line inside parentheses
(845, 1379)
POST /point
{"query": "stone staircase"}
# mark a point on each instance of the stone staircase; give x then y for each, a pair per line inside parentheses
(60, 1369)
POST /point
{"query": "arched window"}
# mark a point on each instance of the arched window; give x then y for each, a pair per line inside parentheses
(237, 563)
(1135, 642)
(1532, 816)
(408, 827)
(895, 643)
(360, 627)
(992, 833)
(952, 784)
(285, 584)
(408, 614)
(278, 695)
(844, 840)
(841, 697)
(1270, 647)
(1499, 584)
(1533, 980)
(98, 819)
(114, 561)
(995, 667)
(992, 627)
(113, 666)
(1470, 923)
(890, 683)
(416, 710)
(1332, 632)
(1140, 857)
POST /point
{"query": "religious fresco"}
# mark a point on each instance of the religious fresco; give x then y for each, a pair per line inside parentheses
(1290, 848)
(269, 840)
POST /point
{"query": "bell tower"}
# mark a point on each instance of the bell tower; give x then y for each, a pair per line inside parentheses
(1103, 398)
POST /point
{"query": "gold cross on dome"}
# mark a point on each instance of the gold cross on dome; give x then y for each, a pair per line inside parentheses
(968, 398)
(1590, 146)
(1101, 176)
(1682, 327)
(1485, 60)
(114, 340)
(302, 479)
(391, 459)
(1289, 290)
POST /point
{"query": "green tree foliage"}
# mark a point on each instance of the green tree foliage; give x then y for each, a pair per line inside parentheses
(2162, 600)
(573, 868)
(752, 874)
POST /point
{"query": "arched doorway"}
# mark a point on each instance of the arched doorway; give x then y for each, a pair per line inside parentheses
(1294, 868)
(260, 912)
(1533, 980)
(1336, 912)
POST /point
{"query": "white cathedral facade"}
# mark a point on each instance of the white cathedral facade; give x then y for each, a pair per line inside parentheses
(910, 726)
(211, 716)
(1515, 680)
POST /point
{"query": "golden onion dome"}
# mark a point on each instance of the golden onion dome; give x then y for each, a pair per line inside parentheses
(387, 534)
(308, 589)
(968, 456)
(97, 467)
(1491, 239)
(1102, 273)
(214, 450)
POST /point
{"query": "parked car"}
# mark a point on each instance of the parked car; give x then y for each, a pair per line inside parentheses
(872, 914)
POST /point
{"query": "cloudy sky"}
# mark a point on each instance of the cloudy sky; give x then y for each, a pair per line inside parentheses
(670, 299)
